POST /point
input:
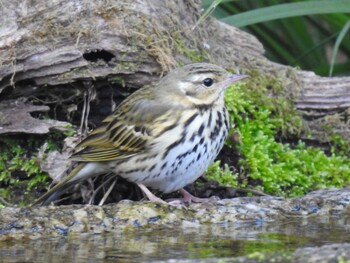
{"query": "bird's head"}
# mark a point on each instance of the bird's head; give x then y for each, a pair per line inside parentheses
(198, 84)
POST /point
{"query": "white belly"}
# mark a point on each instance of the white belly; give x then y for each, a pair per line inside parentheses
(173, 164)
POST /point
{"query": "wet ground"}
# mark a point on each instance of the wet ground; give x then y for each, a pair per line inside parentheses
(311, 228)
(150, 244)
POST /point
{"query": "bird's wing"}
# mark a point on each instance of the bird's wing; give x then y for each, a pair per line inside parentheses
(127, 132)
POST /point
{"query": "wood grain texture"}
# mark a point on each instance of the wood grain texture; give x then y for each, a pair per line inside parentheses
(52, 43)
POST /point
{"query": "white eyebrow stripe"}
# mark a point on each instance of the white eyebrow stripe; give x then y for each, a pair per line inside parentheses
(200, 77)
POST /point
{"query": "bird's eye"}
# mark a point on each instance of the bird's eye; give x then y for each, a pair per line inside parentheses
(208, 82)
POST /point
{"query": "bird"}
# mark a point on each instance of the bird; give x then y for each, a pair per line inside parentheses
(163, 136)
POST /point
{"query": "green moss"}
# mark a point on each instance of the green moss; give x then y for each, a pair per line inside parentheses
(223, 175)
(68, 132)
(280, 169)
(118, 79)
(342, 259)
(122, 66)
(339, 146)
(20, 172)
(194, 54)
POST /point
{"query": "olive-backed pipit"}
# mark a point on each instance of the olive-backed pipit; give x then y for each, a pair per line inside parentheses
(163, 136)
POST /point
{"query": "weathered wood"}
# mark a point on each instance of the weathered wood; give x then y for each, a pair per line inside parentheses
(15, 117)
(51, 43)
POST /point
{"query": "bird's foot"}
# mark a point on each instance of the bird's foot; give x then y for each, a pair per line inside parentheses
(174, 202)
(188, 198)
(151, 196)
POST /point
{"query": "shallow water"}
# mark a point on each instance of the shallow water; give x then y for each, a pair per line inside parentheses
(152, 244)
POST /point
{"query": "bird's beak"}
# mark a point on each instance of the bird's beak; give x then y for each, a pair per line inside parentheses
(234, 78)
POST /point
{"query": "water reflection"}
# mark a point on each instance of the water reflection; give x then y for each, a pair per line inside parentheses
(148, 245)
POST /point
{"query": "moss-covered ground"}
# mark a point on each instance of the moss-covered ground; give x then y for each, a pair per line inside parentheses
(261, 126)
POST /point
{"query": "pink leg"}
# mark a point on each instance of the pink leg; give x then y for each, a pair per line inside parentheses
(153, 198)
(188, 198)
(149, 195)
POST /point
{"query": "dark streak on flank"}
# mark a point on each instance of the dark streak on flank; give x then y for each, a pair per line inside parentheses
(200, 130)
(173, 145)
(226, 119)
(193, 137)
(152, 167)
(182, 137)
(164, 165)
(210, 118)
(170, 127)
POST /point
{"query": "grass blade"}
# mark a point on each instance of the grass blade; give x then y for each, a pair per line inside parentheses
(340, 38)
(288, 10)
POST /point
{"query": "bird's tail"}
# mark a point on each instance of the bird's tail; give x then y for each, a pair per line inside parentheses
(76, 175)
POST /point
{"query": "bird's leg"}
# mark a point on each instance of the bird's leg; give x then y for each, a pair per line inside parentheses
(153, 198)
(188, 198)
(149, 194)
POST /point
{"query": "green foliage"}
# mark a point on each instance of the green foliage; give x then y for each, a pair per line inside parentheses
(20, 172)
(341, 259)
(281, 168)
(285, 169)
(285, 10)
(222, 175)
(183, 48)
(287, 39)
(339, 146)
(68, 132)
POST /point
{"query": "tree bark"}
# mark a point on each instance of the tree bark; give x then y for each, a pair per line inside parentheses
(57, 45)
